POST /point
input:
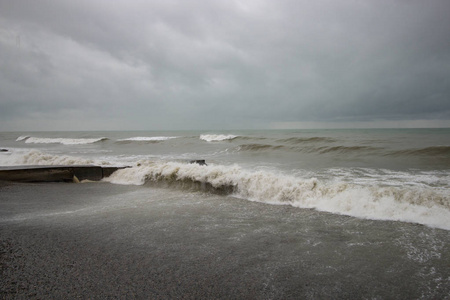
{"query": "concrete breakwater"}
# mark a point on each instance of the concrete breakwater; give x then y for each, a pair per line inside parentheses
(55, 173)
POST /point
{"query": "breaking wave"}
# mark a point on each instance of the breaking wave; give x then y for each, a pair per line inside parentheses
(64, 141)
(147, 139)
(21, 138)
(423, 205)
(35, 157)
(217, 137)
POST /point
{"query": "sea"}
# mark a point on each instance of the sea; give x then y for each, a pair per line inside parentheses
(395, 181)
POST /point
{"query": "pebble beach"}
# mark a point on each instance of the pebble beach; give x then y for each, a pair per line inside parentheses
(62, 240)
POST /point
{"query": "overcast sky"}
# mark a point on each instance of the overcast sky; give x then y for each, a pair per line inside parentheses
(223, 64)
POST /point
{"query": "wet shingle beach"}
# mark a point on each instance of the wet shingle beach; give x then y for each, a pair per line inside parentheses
(61, 240)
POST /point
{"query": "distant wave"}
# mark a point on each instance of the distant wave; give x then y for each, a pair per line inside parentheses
(345, 149)
(423, 205)
(21, 138)
(147, 139)
(35, 157)
(217, 137)
(309, 148)
(437, 151)
(258, 147)
(432, 151)
(296, 140)
(64, 141)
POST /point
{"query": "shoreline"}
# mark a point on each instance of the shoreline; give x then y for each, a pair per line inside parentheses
(99, 240)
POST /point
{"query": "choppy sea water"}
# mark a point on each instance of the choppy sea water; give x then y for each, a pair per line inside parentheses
(393, 184)
(384, 174)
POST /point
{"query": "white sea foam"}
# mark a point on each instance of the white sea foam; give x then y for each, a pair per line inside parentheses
(64, 141)
(386, 177)
(148, 138)
(35, 157)
(22, 137)
(424, 205)
(217, 137)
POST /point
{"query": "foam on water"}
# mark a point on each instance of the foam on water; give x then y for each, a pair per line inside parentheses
(417, 204)
(384, 177)
(64, 141)
(148, 139)
(22, 137)
(20, 157)
(217, 137)
(377, 175)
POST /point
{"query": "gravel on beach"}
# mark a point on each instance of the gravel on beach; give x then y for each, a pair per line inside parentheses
(99, 240)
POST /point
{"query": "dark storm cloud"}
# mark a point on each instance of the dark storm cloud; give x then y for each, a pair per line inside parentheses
(221, 64)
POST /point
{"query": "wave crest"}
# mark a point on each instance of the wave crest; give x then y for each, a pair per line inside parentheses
(217, 137)
(35, 157)
(64, 141)
(147, 139)
(22, 137)
(423, 205)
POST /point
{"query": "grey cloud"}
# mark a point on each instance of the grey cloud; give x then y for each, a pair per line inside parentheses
(224, 64)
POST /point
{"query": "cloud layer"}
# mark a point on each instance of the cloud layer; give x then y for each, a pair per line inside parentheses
(80, 65)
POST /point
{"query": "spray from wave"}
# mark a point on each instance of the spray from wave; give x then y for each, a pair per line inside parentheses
(423, 205)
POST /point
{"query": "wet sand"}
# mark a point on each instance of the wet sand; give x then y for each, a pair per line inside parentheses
(98, 240)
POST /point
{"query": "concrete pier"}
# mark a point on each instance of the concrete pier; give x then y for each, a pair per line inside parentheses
(55, 173)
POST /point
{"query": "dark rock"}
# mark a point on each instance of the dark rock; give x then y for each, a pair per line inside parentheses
(4, 150)
(200, 162)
